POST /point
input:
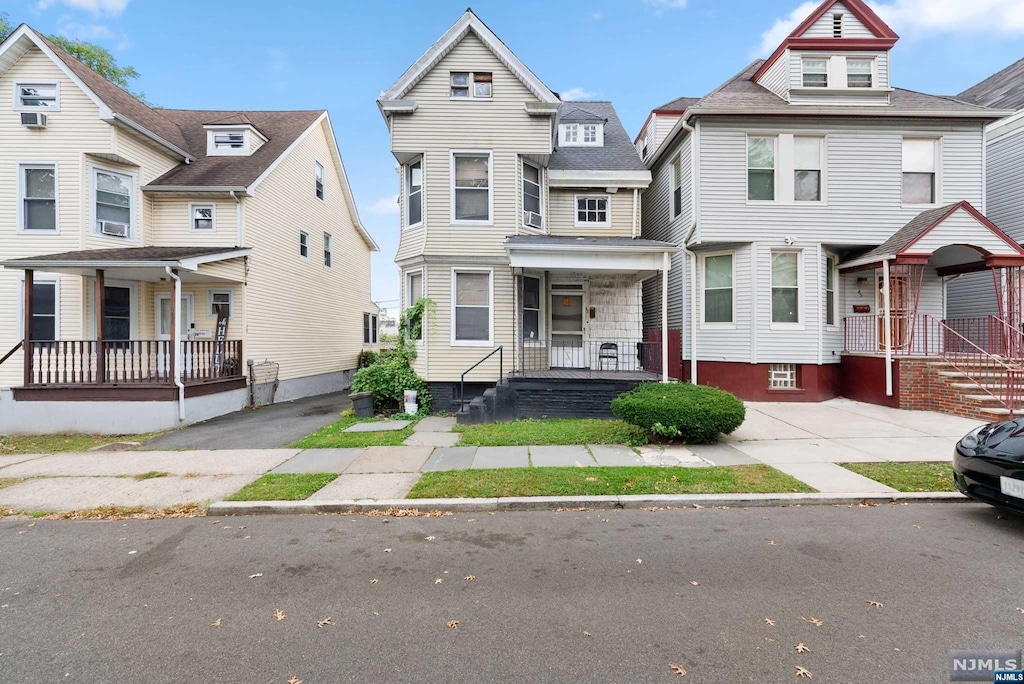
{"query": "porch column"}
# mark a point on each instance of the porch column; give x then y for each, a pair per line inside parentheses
(887, 327)
(666, 263)
(101, 352)
(27, 311)
(172, 353)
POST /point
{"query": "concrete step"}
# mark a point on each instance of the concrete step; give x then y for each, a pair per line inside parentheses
(980, 385)
(982, 398)
(973, 374)
(1002, 412)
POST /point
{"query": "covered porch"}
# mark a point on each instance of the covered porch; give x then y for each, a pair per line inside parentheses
(156, 323)
(578, 309)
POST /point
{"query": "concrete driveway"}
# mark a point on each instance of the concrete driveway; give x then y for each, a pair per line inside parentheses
(269, 427)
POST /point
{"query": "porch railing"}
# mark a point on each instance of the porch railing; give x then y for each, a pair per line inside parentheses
(127, 362)
(597, 355)
(924, 335)
(992, 374)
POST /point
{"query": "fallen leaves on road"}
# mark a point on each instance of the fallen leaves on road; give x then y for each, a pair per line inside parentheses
(453, 624)
(255, 575)
(639, 561)
(1020, 610)
(867, 504)
(430, 538)
(387, 550)
(470, 578)
(586, 634)
(802, 648)
(875, 604)
(216, 623)
(374, 580)
(396, 512)
(771, 542)
(320, 624)
(695, 583)
(279, 615)
(294, 680)
(439, 580)
(814, 621)
(129, 513)
(769, 622)
(679, 669)
(803, 672)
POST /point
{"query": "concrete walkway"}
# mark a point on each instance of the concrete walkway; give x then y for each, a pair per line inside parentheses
(807, 441)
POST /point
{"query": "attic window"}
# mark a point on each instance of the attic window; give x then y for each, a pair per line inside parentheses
(35, 96)
(233, 141)
(815, 73)
(227, 141)
(581, 134)
(837, 25)
(471, 85)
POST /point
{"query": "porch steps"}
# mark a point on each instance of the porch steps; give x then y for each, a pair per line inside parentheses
(967, 392)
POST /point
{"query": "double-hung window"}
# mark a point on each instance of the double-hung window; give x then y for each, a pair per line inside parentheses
(677, 187)
(471, 307)
(531, 308)
(117, 313)
(328, 247)
(471, 187)
(815, 72)
(533, 216)
(113, 203)
(807, 169)
(369, 328)
(303, 244)
(202, 217)
(33, 97)
(45, 312)
(920, 170)
(785, 287)
(761, 168)
(414, 193)
(38, 185)
(220, 303)
(592, 211)
(318, 180)
(830, 290)
(413, 294)
(718, 288)
(859, 73)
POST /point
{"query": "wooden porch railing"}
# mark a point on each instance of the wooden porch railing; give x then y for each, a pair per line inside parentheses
(129, 362)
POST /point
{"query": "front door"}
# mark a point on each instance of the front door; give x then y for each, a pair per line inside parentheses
(899, 311)
(164, 326)
(568, 344)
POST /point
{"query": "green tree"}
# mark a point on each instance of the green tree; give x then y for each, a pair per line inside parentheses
(91, 55)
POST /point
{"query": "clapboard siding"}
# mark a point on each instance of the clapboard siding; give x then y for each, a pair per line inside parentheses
(971, 295)
(852, 26)
(776, 79)
(561, 212)
(171, 221)
(1006, 184)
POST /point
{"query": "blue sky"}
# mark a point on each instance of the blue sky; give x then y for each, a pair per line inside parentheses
(340, 55)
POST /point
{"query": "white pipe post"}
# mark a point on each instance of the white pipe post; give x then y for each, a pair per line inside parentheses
(666, 263)
(176, 341)
(887, 327)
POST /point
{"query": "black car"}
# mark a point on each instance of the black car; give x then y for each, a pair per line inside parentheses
(988, 464)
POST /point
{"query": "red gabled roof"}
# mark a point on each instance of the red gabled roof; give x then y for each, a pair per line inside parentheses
(884, 37)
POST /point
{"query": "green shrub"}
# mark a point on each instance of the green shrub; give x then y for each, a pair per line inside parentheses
(367, 357)
(694, 414)
(388, 379)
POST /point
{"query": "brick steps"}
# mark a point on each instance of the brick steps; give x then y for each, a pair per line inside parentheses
(938, 385)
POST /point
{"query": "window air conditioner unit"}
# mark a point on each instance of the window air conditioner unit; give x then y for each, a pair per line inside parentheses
(33, 119)
(113, 228)
(533, 220)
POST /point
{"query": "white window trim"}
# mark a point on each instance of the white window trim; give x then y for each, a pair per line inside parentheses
(704, 324)
(677, 168)
(563, 142)
(822, 171)
(746, 167)
(543, 315)
(133, 304)
(374, 329)
(20, 209)
(16, 98)
(406, 194)
(591, 224)
(938, 140)
(489, 342)
(490, 187)
(829, 77)
(328, 249)
(835, 292)
(874, 72)
(133, 205)
(470, 96)
(210, 311)
(522, 197)
(317, 166)
(308, 245)
(800, 291)
(406, 304)
(192, 206)
(213, 151)
(38, 279)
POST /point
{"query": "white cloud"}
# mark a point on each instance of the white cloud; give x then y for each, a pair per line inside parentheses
(384, 206)
(918, 18)
(92, 33)
(108, 7)
(666, 4)
(577, 94)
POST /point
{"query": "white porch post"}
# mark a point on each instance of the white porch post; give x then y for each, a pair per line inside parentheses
(666, 263)
(887, 327)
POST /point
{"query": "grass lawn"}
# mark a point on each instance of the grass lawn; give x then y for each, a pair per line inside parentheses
(559, 431)
(332, 437)
(589, 481)
(51, 444)
(283, 487)
(908, 477)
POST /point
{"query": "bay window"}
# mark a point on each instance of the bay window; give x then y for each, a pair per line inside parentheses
(471, 187)
(785, 287)
(471, 307)
(413, 293)
(718, 288)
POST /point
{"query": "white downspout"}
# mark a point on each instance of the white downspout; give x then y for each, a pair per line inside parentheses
(822, 281)
(693, 257)
(238, 218)
(175, 333)
(636, 199)
(666, 263)
(887, 327)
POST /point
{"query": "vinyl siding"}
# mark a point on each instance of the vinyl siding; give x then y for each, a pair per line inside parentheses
(776, 79)
(171, 222)
(1005, 206)
(441, 125)
(852, 26)
(959, 228)
(732, 344)
(971, 295)
(663, 124)
(561, 212)
(299, 313)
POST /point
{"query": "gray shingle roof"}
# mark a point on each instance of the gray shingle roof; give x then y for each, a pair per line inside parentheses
(131, 254)
(678, 105)
(907, 234)
(618, 152)
(1004, 89)
(553, 240)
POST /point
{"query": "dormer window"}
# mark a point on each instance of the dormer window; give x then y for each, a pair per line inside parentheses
(233, 141)
(581, 134)
(471, 85)
(815, 72)
(859, 73)
(229, 139)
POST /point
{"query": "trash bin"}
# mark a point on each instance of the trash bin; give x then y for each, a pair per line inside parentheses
(362, 404)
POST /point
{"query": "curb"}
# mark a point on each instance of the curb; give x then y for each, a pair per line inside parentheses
(551, 503)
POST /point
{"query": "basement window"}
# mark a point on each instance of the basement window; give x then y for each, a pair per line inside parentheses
(782, 376)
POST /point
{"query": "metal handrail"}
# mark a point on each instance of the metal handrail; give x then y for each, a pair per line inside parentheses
(980, 356)
(1012, 337)
(501, 372)
(12, 352)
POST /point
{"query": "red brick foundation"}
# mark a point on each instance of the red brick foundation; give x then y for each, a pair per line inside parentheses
(749, 381)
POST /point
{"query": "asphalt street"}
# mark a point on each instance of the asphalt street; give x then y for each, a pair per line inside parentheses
(573, 596)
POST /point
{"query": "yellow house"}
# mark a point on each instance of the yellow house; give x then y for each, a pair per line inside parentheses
(164, 266)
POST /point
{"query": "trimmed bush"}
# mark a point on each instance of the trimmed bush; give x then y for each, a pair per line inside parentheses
(388, 379)
(694, 414)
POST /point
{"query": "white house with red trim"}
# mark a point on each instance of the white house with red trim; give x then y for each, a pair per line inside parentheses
(827, 218)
